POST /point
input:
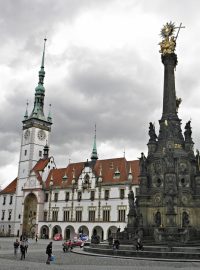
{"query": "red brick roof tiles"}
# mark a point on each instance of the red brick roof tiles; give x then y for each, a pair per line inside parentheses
(108, 167)
(11, 188)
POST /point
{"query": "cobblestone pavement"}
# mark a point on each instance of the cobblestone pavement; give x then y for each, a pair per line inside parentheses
(36, 257)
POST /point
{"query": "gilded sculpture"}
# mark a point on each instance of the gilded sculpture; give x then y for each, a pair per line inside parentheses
(168, 44)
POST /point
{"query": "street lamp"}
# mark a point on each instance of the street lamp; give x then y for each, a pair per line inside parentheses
(50, 194)
(99, 181)
(73, 188)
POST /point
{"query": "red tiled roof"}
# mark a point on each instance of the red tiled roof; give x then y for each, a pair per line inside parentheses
(108, 168)
(41, 164)
(11, 188)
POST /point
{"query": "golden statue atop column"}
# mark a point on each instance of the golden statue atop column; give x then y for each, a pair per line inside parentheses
(168, 44)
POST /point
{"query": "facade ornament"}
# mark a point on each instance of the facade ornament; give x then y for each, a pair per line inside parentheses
(142, 163)
(178, 102)
(188, 131)
(152, 133)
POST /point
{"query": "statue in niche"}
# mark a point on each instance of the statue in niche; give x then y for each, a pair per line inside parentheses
(188, 131)
(158, 219)
(169, 160)
(170, 184)
(142, 163)
(185, 219)
(152, 133)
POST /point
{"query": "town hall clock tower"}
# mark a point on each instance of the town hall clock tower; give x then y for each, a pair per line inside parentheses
(35, 134)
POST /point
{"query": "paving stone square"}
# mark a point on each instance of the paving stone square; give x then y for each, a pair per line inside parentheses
(36, 258)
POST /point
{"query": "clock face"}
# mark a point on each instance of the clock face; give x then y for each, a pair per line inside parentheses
(26, 134)
(41, 135)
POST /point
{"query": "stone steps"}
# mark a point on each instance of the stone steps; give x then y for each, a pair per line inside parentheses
(163, 252)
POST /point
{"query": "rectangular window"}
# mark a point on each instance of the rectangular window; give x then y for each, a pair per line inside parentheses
(79, 196)
(78, 215)
(55, 215)
(11, 199)
(46, 197)
(55, 197)
(9, 214)
(107, 193)
(25, 152)
(66, 215)
(122, 215)
(3, 215)
(92, 195)
(40, 153)
(67, 196)
(4, 200)
(122, 192)
(91, 215)
(106, 215)
(45, 215)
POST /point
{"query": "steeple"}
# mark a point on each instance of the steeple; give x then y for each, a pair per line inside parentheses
(40, 92)
(94, 155)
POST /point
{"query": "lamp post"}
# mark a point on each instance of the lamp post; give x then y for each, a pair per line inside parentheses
(99, 188)
(73, 188)
(50, 194)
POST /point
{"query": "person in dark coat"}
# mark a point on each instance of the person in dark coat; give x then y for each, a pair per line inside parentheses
(23, 250)
(49, 252)
(16, 247)
(139, 245)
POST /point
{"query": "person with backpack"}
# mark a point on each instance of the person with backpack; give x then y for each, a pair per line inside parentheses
(49, 252)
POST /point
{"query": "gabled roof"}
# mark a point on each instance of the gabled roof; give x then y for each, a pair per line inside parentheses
(11, 188)
(39, 166)
(108, 167)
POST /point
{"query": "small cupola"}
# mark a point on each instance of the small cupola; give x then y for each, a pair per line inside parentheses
(46, 151)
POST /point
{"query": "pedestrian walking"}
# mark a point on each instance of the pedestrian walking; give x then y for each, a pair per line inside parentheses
(22, 249)
(36, 238)
(26, 245)
(49, 252)
(16, 247)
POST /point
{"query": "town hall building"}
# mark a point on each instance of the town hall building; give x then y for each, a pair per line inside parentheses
(89, 196)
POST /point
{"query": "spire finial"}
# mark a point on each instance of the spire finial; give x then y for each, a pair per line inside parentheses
(42, 72)
(94, 155)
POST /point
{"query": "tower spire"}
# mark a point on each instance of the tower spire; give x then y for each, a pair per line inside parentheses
(40, 91)
(42, 72)
(94, 155)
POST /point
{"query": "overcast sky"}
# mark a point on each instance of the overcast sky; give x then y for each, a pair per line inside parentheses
(102, 66)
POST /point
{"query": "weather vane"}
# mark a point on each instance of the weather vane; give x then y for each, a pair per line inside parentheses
(168, 44)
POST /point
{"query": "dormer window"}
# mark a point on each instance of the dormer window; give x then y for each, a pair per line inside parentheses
(117, 174)
(86, 181)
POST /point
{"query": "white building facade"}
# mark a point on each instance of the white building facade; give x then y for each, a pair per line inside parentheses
(89, 197)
